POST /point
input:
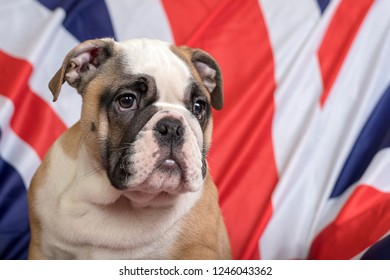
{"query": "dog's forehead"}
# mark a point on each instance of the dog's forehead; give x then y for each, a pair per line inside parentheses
(156, 59)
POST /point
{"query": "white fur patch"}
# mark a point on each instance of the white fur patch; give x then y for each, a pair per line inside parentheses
(155, 58)
(167, 105)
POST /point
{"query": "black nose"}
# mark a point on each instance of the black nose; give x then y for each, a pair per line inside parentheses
(169, 131)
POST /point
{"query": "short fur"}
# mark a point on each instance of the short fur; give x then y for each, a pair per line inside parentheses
(130, 179)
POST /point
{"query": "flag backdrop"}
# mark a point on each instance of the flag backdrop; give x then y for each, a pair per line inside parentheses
(300, 152)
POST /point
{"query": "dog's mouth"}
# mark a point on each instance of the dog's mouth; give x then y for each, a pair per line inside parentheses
(166, 172)
(160, 186)
(170, 165)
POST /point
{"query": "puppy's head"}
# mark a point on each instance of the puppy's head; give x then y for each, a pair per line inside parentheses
(146, 112)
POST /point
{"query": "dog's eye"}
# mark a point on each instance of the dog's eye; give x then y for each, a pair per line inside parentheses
(127, 101)
(199, 108)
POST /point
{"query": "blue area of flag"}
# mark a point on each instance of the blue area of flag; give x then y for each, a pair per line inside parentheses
(87, 19)
(374, 136)
(14, 222)
(323, 4)
(379, 251)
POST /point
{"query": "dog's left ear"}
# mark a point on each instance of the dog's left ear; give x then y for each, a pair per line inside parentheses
(210, 73)
(80, 64)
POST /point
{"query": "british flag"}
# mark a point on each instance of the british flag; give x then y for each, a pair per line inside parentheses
(300, 152)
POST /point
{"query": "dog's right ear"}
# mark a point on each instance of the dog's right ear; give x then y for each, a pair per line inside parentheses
(80, 64)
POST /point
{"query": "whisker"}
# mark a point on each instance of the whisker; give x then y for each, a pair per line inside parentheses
(125, 146)
(122, 148)
(83, 140)
(92, 172)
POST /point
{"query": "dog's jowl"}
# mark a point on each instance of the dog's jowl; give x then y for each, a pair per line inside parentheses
(130, 180)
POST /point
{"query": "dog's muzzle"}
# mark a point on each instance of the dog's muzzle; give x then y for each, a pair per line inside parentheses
(164, 157)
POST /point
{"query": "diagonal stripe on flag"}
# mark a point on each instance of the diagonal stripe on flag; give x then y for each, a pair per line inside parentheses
(32, 118)
(374, 136)
(338, 39)
(363, 220)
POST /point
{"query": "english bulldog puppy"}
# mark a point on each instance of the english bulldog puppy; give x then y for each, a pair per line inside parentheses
(130, 180)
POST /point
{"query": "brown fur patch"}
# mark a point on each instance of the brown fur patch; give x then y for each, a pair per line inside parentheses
(185, 54)
(203, 240)
(190, 56)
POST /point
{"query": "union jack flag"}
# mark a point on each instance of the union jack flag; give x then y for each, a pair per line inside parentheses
(300, 152)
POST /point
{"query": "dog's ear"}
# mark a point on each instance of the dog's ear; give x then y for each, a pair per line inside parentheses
(80, 64)
(210, 73)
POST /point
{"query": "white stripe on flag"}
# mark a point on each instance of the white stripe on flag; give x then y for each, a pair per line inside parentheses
(139, 19)
(13, 149)
(291, 28)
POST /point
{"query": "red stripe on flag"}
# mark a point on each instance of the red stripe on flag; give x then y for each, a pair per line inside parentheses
(33, 120)
(338, 40)
(186, 16)
(241, 158)
(363, 220)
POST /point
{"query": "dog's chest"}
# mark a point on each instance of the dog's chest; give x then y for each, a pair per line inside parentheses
(58, 249)
(90, 232)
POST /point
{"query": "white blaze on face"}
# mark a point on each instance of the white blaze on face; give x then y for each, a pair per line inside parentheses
(155, 58)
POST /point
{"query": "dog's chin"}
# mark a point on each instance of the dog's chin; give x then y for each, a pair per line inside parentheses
(160, 188)
(142, 199)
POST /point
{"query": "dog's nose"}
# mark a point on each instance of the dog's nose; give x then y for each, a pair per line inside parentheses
(170, 131)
